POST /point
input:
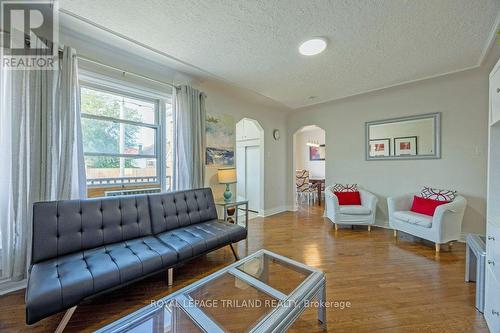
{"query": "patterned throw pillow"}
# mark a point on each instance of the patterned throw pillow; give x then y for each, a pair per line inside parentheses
(438, 194)
(345, 188)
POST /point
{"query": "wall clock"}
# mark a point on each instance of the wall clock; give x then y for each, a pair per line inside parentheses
(276, 134)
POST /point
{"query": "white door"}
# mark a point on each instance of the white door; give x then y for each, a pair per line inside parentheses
(252, 177)
(240, 170)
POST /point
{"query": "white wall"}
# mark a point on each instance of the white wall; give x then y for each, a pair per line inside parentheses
(302, 162)
(463, 100)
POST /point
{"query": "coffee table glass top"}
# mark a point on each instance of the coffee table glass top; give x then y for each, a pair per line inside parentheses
(275, 273)
(234, 201)
(221, 299)
(182, 322)
(250, 295)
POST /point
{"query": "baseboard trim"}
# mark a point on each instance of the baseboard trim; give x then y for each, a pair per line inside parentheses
(382, 224)
(275, 210)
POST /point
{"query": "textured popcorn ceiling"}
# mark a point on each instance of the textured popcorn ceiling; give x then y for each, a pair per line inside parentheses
(253, 44)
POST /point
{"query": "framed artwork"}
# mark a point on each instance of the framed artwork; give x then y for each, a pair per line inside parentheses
(380, 147)
(317, 153)
(405, 146)
(221, 140)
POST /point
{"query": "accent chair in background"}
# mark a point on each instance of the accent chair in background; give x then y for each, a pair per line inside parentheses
(442, 226)
(345, 204)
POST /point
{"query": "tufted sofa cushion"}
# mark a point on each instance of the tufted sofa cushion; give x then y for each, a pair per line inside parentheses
(64, 281)
(64, 227)
(199, 238)
(180, 209)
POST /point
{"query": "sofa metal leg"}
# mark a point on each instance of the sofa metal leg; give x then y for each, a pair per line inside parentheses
(65, 319)
(234, 252)
(395, 233)
(438, 247)
(170, 276)
(450, 245)
(369, 228)
(336, 226)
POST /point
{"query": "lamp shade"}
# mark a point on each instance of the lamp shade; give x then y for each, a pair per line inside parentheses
(227, 176)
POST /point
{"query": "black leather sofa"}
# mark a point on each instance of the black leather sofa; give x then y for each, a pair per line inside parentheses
(82, 248)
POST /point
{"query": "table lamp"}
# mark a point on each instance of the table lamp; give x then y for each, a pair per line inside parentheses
(227, 176)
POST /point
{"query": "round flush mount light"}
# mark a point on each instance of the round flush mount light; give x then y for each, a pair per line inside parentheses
(312, 46)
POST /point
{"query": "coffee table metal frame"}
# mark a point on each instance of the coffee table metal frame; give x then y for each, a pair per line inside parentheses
(279, 319)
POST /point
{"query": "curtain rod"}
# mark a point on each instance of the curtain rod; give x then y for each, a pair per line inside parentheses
(117, 69)
(127, 72)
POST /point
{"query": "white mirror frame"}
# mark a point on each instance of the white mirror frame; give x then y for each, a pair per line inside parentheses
(437, 137)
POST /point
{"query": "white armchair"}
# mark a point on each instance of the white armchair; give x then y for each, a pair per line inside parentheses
(352, 215)
(445, 226)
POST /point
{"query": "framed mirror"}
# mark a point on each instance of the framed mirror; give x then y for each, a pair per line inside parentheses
(414, 137)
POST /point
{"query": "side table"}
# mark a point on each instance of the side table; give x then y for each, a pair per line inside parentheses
(236, 203)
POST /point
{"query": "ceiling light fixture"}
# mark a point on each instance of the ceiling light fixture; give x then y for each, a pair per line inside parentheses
(313, 46)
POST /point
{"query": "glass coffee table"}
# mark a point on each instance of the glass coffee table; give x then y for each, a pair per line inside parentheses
(264, 292)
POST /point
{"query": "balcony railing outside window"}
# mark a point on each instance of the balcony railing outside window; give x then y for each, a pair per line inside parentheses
(128, 181)
(124, 135)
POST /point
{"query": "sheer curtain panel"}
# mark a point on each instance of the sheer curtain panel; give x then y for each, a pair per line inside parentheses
(189, 138)
(41, 149)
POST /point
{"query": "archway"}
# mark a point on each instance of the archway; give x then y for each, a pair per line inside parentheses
(308, 153)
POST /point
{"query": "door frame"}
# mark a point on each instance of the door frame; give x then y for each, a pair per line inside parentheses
(261, 145)
(294, 160)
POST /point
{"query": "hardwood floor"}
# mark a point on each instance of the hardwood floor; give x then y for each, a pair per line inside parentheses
(392, 285)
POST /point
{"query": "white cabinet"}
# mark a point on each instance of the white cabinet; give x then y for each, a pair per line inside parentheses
(492, 302)
(495, 95)
(492, 286)
(493, 248)
(240, 130)
(492, 278)
(249, 153)
(247, 130)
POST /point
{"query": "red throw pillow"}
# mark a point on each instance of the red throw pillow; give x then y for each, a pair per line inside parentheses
(348, 198)
(426, 206)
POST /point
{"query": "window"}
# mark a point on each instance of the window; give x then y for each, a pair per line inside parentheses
(123, 136)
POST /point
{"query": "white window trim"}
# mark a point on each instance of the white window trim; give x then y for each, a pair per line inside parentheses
(121, 84)
(97, 81)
